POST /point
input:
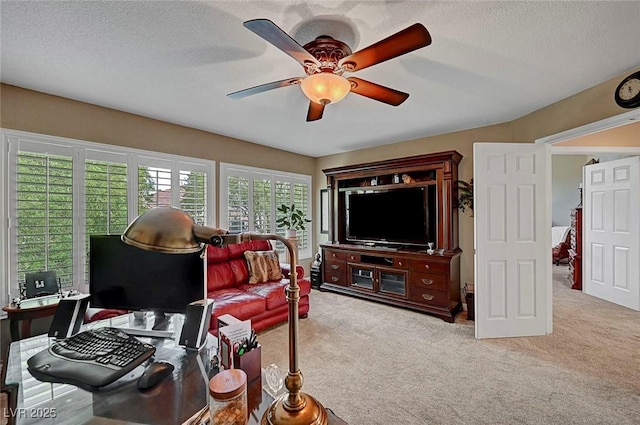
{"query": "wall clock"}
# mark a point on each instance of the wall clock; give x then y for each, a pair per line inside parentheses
(627, 94)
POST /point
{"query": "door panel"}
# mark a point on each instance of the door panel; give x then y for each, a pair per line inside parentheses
(511, 239)
(611, 231)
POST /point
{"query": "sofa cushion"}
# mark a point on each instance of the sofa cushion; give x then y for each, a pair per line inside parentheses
(238, 303)
(274, 292)
(237, 250)
(264, 266)
(227, 267)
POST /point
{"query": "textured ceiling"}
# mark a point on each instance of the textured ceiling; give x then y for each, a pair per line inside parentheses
(489, 62)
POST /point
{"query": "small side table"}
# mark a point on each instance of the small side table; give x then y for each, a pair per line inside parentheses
(27, 311)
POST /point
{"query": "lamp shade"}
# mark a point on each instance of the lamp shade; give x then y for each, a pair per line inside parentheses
(163, 229)
(325, 87)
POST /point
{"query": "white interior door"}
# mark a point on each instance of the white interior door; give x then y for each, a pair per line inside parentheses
(611, 209)
(512, 240)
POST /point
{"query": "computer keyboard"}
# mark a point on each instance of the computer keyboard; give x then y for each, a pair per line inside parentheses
(90, 359)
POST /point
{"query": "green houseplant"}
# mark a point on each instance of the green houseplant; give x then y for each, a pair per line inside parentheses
(465, 195)
(292, 219)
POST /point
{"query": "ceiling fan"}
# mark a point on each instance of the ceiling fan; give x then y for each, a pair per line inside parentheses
(325, 59)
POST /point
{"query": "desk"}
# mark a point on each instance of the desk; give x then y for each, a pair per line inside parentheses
(28, 310)
(171, 402)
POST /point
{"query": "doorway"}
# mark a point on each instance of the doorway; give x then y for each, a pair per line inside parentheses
(606, 140)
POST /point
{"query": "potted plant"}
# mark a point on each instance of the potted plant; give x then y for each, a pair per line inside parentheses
(465, 195)
(292, 220)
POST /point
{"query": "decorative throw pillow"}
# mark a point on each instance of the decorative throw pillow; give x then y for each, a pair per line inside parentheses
(264, 266)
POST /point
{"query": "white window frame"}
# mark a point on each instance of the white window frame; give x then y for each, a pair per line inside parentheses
(80, 150)
(228, 169)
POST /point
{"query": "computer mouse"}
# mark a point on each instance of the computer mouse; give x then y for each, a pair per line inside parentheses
(153, 374)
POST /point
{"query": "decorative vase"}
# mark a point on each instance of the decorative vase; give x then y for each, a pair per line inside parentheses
(290, 233)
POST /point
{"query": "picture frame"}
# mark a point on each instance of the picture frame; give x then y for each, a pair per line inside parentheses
(324, 211)
(39, 284)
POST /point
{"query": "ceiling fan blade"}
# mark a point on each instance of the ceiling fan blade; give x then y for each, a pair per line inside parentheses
(283, 41)
(405, 41)
(264, 87)
(377, 92)
(315, 111)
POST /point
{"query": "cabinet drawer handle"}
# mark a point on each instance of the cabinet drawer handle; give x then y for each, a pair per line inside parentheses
(426, 266)
(399, 263)
(352, 257)
(335, 267)
(334, 255)
(427, 297)
(335, 279)
(427, 281)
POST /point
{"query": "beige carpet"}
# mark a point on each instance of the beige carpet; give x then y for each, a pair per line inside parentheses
(375, 364)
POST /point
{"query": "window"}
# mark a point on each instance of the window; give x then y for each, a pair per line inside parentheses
(61, 191)
(249, 197)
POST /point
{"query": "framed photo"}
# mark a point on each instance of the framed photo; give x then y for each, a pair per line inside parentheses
(41, 283)
(324, 211)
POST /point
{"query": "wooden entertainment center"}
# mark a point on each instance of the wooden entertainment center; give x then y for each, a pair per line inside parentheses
(405, 276)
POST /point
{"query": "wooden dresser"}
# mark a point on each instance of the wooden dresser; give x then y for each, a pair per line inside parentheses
(575, 252)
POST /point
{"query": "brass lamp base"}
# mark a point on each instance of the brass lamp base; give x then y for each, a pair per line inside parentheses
(312, 413)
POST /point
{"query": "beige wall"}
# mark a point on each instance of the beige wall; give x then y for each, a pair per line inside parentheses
(40, 113)
(625, 136)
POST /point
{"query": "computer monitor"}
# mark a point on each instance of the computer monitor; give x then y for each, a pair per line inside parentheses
(129, 278)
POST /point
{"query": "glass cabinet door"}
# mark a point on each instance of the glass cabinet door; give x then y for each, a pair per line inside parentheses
(362, 277)
(393, 282)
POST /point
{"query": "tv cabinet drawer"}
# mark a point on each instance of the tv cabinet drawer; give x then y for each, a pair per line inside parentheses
(429, 281)
(427, 266)
(335, 271)
(400, 263)
(355, 258)
(332, 266)
(335, 255)
(337, 278)
(429, 296)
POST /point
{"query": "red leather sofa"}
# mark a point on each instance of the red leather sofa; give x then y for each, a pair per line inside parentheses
(264, 303)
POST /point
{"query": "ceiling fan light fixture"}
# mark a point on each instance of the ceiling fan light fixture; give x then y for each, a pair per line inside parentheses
(325, 87)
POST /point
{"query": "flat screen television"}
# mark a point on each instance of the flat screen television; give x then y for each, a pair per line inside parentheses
(399, 216)
(129, 278)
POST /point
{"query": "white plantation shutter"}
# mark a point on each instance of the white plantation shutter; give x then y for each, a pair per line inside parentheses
(237, 197)
(154, 188)
(106, 197)
(193, 194)
(283, 196)
(44, 221)
(262, 205)
(106, 201)
(249, 198)
(302, 201)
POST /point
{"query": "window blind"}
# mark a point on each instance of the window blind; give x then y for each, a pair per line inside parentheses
(249, 198)
(44, 215)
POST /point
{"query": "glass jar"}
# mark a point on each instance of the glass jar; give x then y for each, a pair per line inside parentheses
(228, 398)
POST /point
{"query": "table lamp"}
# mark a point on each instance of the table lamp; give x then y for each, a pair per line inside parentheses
(171, 230)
